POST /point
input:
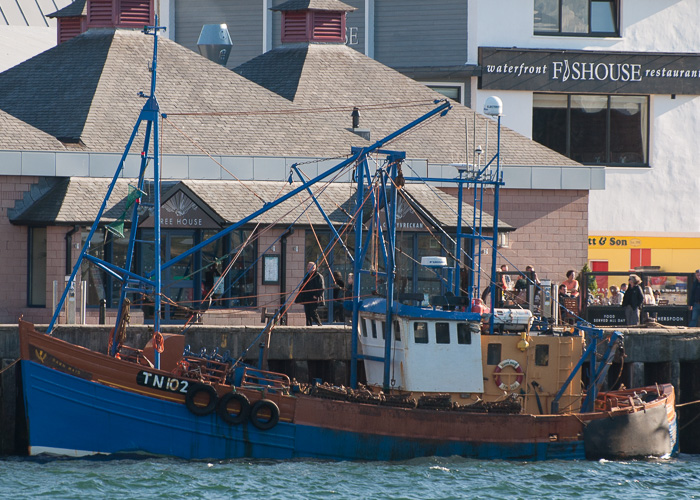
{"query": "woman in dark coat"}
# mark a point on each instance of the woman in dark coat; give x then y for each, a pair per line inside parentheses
(632, 299)
(311, 294)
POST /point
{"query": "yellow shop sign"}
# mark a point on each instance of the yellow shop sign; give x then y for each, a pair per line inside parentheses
(614, 241)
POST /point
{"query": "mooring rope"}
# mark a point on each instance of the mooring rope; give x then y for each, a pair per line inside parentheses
(9, 366)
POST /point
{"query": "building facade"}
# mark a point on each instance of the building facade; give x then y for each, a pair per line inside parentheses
(611, 83)
(619, 87)
(62, 140)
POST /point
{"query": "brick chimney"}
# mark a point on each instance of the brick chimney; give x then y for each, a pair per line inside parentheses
(81, 15)
(313, 20)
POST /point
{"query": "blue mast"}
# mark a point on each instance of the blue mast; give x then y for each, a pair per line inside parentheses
(150, 113)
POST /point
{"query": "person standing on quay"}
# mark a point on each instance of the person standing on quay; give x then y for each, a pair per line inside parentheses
(311, 294)
(695, 299)
(633, 298)
(615, 296)
(338, 297)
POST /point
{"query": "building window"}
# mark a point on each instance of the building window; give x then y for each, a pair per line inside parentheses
(593, 129)
(101, 285)
(36, 289)
(577, 17)
(451, 91)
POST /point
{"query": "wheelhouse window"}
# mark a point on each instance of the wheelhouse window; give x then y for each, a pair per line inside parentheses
(442, 333)
(464, 335)
(493, 354)
(420, 332)
(542, 355)
(593, 129)
(577, 17)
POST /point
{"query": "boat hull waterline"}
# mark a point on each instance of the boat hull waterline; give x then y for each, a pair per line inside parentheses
(79, 402)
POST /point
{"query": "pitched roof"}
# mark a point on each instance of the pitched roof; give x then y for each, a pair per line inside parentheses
(294, 101)
(86, 90)
(74, 9)
(76, 200)
(330, 5)
(334, 75)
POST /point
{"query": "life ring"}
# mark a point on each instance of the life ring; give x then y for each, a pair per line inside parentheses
(198, 409)
(223, 411)
(262, 422)
(497, 377)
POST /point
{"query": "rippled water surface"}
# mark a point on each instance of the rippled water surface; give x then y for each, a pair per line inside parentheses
(440, 478)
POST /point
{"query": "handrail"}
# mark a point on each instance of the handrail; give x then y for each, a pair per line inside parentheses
(257, 378)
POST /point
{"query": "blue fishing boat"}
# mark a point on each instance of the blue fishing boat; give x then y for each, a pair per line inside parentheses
(442, 377)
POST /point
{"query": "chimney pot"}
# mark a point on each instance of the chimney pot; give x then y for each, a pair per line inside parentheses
(355, 117)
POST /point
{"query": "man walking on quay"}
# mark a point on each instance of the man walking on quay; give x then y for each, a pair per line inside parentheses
(695, 299)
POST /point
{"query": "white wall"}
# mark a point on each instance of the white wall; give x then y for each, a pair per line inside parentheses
(517, 108)
(660, 199)
(647, 26)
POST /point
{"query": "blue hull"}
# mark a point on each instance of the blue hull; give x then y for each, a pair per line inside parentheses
(71, 416)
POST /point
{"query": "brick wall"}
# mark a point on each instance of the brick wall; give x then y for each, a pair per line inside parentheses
(552, 230)
(13, 252)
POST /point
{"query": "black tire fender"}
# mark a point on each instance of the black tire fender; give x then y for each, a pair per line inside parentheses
(195, 408)
(222, 408)
(265, 424)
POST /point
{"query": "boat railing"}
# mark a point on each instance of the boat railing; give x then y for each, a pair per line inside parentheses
(206, 369)
(630, 398)
(254, 378)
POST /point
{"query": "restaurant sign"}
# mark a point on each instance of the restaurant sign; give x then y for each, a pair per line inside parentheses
(589, 71)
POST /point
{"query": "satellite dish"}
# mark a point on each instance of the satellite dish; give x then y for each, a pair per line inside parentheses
(493, 106)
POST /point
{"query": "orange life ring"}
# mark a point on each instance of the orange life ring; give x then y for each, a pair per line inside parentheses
(497, 377)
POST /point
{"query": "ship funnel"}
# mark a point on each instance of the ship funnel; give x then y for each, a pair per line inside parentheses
(215, 43)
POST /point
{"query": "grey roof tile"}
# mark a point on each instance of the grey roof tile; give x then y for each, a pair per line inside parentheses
(18, 135)
(293, 101)
(336, 76)
(74, 9)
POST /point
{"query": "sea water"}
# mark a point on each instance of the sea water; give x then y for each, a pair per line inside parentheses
(439, 478)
